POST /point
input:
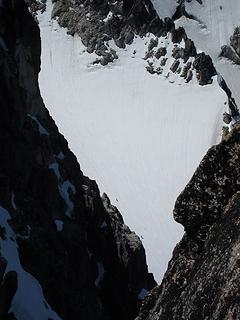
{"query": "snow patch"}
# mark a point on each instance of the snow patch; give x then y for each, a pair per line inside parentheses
(218, 19)
(101, 273)
(13, 201)
(55, 167)
(41, 129)
(60, 156)
(64, 189)
(3, 44)
(28, 302)
(142, 294)
(138, 135)
(109, 16)
(165, 8)
(59, 224)
(103, 224)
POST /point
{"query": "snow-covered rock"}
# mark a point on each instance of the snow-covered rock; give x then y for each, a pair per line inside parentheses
(63, 253)
(140, 135)
(212, 25)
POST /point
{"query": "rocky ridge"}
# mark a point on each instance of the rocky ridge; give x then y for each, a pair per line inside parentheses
(202, 280)
(232, 51)
(98, 23)
(106, 27)
(76, 243)
(58, 230)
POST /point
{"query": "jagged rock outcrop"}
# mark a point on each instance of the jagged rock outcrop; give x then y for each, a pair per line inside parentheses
(235, 40)
(8, 288)
(101, 21)
(97, 23)
(88, 263)
(202, 279)
(232, 52)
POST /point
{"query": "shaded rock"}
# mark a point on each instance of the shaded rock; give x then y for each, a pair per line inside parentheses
(8, 288)
(159, 70)
(185, 70)
(160, 52)
(163, 62)
(235, 41)
(205, 68)
(189, 76)
(229, 53)
(232, 52)
(35, 6)
(153, 43)
(175, 66)
(202, 279)
(129, 37)
(227, 118)
(120, 42)
(178, 35)
(179, 70)
(178, 53)
(150, 68)
(86, 268)
(101, 21)
(190, 49)
(225, 132)
(169, 24)
(148, 54)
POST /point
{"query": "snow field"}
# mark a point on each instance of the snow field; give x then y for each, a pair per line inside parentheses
(138, 135)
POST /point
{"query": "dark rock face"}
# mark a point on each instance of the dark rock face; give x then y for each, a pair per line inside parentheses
(89, 264)
(232, 52)
(202, 279)
(204, 68)
(98, 22)
(235, 40)
(8, 287)
(35, 5)
(229, 53)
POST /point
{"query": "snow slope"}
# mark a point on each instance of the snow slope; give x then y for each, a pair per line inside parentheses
(165, 8)
(139, 135)
(216, 21)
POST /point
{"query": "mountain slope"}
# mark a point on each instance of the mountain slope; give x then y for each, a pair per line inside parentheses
(212, 24)
(202, 279)
(135, 132)
(65, 252)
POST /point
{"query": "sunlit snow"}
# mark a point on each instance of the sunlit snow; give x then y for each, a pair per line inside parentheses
(216, 21)
(138, 135)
